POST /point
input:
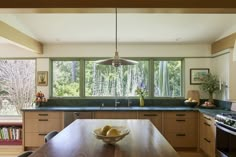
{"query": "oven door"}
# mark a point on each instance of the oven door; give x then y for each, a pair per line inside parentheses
(225, 141)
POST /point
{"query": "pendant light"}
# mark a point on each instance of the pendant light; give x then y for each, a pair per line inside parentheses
(116, 61)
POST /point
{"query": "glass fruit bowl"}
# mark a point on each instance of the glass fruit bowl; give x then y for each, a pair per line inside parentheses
(111, 136)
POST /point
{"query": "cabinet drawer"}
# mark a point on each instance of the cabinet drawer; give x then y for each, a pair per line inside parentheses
(182, 140)
(42, 125)
(82, 115)
(148, 115)
(115, 115)
(155, 118)
(180, 114)
(34, 139)
(181, 125)
(29, 115)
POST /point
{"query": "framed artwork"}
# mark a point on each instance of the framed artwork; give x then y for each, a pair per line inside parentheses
(42, 78)
(197, 75)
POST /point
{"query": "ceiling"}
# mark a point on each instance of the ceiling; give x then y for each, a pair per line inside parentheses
(132, 27)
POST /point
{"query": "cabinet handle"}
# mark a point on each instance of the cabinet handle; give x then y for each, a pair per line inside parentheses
(180, 134)
(207, 140)
(207, 124)
(43, 120)
(42, 134)
(149, 115)
(77, 113)
(207, 118)
(180, 120)
(43, 114)
(180, 115)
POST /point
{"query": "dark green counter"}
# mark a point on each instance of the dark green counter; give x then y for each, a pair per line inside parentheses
(210, 112)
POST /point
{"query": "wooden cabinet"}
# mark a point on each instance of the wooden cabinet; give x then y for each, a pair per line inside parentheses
(69, 117)
(154, 116)
(115, 115)
(180, 129)
(207, 135)
(83, 115)
(37, 124)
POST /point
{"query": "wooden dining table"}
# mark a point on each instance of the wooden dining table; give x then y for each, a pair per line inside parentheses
(78, 140)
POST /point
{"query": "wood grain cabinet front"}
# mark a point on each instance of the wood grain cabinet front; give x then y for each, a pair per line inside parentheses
(154, 116)
(115, 115)
(180, 129)
(37, 125)
(207, 135)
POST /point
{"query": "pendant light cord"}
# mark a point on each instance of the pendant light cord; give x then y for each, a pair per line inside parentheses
(116, 30)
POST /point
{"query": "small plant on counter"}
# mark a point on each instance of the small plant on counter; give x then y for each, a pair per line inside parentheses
(210, 85)
(39, 98)
(141, 91)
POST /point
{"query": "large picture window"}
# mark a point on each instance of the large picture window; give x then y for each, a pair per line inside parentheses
(167, 78)
(105, 80)
(17, 85)
(84, 78)
(66, 78)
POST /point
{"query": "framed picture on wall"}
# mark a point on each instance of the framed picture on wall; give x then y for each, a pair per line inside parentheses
(197, 75)
(42, 78)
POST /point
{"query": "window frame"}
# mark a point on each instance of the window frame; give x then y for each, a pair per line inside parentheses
(182, 76)
(151, 60)
(80, 77)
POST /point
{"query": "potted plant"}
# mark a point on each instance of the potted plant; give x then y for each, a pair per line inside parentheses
(141, 91)
(210, 85)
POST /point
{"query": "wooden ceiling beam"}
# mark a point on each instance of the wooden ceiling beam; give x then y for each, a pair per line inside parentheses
(224, 43)
(20, 39)
(118, 4)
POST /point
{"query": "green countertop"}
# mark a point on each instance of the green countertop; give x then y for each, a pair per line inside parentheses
(210, 112)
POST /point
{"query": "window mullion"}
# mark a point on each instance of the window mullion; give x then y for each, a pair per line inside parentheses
(151, 78)
(82, 78)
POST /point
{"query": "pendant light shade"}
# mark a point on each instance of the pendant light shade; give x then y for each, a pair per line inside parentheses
(116, 61)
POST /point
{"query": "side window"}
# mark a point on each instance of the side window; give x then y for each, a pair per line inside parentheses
(66, 78)
(167, 78)
(17, 85)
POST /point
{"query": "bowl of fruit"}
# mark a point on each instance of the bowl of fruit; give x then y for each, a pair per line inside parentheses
(111, 134)
(191, 102)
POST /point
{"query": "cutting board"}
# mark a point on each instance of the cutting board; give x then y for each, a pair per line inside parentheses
(194, 94)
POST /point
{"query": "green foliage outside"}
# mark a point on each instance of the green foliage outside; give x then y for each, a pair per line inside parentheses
(66, 78)
(169, 75)
(105, 80)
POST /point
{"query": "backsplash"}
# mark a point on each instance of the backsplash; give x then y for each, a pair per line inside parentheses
(133, 102)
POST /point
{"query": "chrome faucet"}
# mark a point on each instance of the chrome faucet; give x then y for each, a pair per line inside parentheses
(116, 102)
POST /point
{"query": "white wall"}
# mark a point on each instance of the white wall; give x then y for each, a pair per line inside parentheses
(221, 67)
(126, 50)
(195, 63)
(108, 50)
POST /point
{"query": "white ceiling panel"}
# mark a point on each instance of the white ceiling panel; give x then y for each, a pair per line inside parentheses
(132, 27)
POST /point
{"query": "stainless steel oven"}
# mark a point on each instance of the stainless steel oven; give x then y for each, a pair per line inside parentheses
(226, 135)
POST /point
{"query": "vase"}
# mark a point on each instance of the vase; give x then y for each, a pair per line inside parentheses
(141, 103)
(210, 99)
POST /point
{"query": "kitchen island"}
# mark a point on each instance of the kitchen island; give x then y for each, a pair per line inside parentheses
(77, 140)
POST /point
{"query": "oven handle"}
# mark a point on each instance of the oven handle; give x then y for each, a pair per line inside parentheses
(225, 129)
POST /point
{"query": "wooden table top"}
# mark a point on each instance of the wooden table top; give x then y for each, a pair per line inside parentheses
(77, 140)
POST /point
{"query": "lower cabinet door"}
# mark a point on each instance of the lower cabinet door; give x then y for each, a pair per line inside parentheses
(184, 140)
(34, 139)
